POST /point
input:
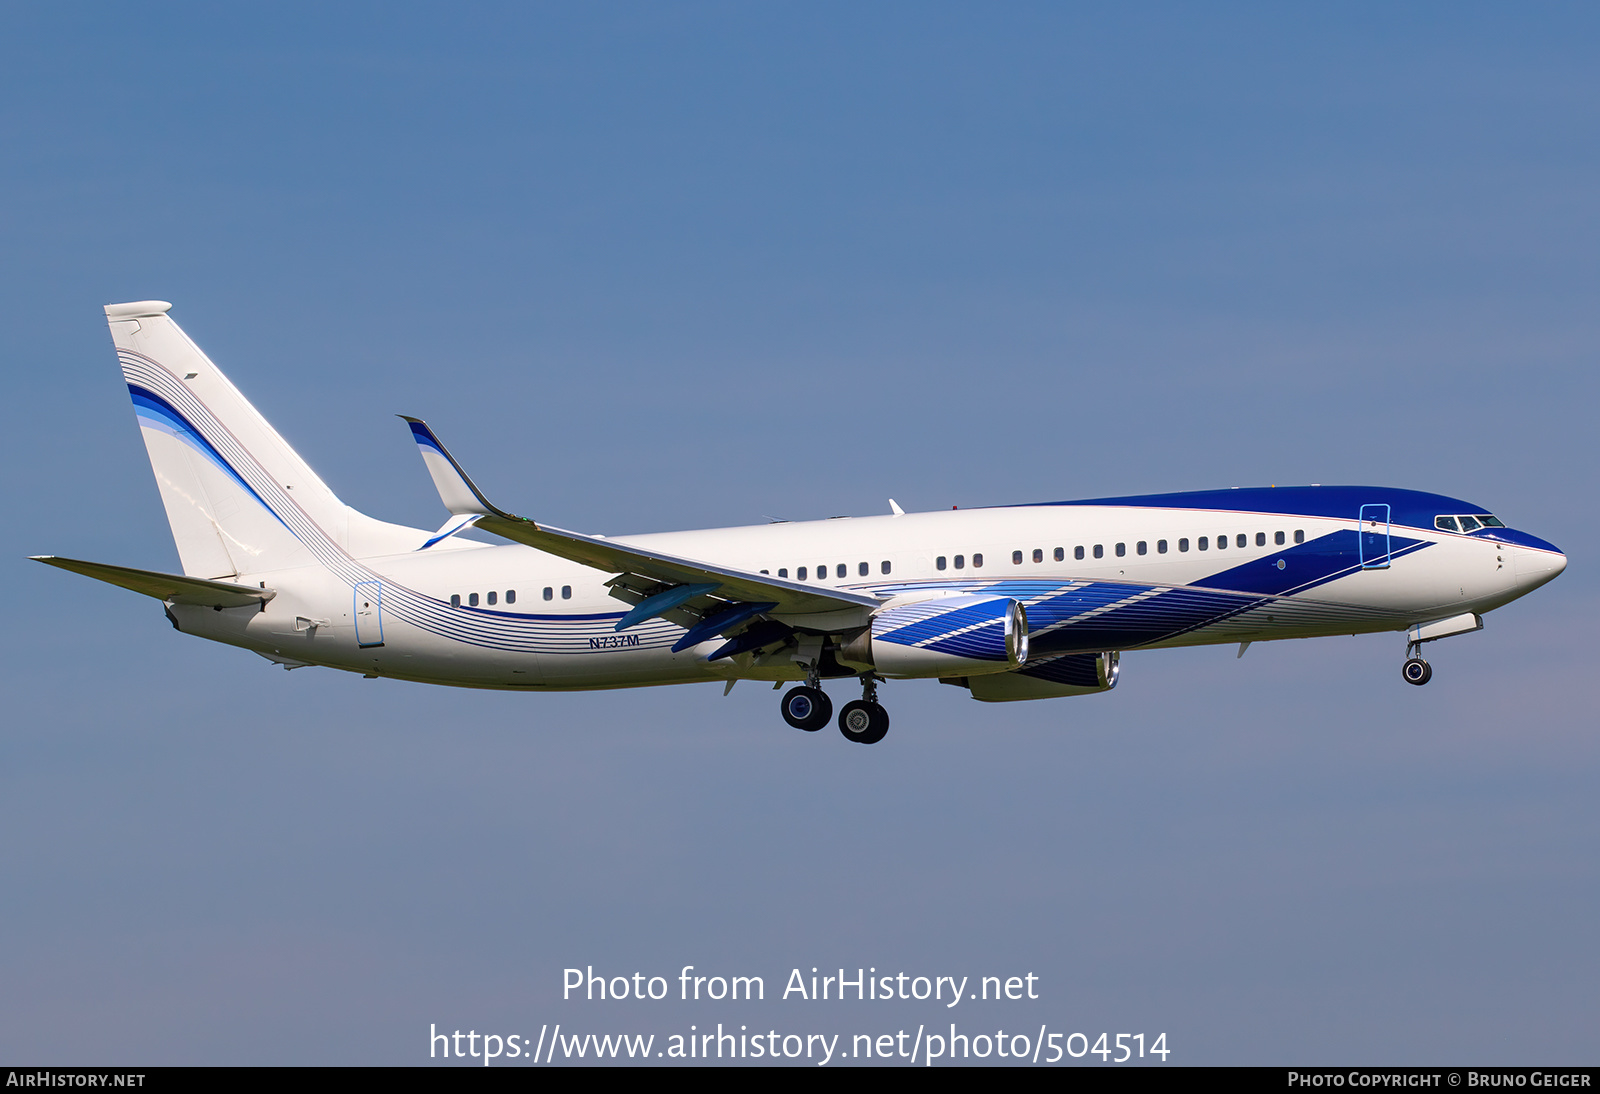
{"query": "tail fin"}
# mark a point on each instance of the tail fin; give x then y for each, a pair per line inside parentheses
(239, 499)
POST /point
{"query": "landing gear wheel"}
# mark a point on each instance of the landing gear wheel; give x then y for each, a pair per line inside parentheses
(807, 708)
(1416, 671)
(863, 722)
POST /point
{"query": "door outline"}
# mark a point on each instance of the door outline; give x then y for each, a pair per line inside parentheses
(1372, 558)
(368, 611)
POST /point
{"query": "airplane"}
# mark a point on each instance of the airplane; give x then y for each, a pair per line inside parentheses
(1011, 603)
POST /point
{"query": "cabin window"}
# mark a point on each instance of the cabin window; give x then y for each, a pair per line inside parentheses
(1222, 543)
(1038, 555)
(549, 593)
(1183, 545)
(493, 599)
(1161, 546)
(961, 562)
(1277, 537)
(1060, 553)
(1242, 540)
(766, 571)
(511, 596)
(783, 571)
(566, 592)
(1099, 550)
(1299, 536)
(1077, 552)
(884, 565)
(1261, 539)
(800, 574)
(455, 600)
(822, 572)
(472, 600)
(938, 563)
(864, 569)
(1122, 549)
(1016, 558)
(977, 562)
(1203, 543)
(1142, 547)
(841, 570)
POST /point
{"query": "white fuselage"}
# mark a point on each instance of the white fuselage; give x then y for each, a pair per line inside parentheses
(559, 631)
(1018, 602)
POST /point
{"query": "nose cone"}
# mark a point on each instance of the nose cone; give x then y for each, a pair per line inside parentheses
(1537, 561)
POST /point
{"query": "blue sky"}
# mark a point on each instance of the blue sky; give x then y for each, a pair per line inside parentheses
(656, 267)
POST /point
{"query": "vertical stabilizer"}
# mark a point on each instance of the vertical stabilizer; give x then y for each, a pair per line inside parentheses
(239, 499)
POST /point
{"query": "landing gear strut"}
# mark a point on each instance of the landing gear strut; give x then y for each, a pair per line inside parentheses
(1416, 670)
(864, 721)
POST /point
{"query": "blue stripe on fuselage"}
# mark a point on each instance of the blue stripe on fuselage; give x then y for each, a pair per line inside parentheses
(1174, 611)
(1408, 507)
(1304, 565)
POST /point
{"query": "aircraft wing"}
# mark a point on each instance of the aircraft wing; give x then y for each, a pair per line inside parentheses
(173, 587)
(662, 574)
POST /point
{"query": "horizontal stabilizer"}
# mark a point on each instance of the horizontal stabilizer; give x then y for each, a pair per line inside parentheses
(169, 587)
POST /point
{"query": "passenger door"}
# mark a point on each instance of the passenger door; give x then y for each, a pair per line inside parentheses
(369, 613)
(1374, 536)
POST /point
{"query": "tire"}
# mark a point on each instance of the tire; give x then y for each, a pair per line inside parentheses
(863, 722)
(807, 708)
(1416, 671)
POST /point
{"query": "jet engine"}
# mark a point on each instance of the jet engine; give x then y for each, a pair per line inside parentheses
(966, 634)
(1073, 674)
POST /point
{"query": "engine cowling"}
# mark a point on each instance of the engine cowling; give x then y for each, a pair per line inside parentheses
(1073, 674)
(967, 634)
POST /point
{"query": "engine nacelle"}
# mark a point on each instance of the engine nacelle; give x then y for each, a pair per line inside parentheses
(1074, 674)
(968, 634)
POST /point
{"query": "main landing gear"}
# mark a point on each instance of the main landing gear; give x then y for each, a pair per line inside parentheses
(807, 707)
(863, 720)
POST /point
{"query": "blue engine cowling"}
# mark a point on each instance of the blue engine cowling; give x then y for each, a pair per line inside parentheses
(966, 634)
(1054, 678)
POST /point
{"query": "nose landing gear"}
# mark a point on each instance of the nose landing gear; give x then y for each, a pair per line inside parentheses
(1416, 671)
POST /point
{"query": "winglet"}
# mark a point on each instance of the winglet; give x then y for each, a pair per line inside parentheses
(458, 492)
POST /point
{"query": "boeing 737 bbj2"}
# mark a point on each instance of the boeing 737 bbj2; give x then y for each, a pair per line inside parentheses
(1014, 602)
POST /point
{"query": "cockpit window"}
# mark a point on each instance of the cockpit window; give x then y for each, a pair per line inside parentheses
(1466, 523)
